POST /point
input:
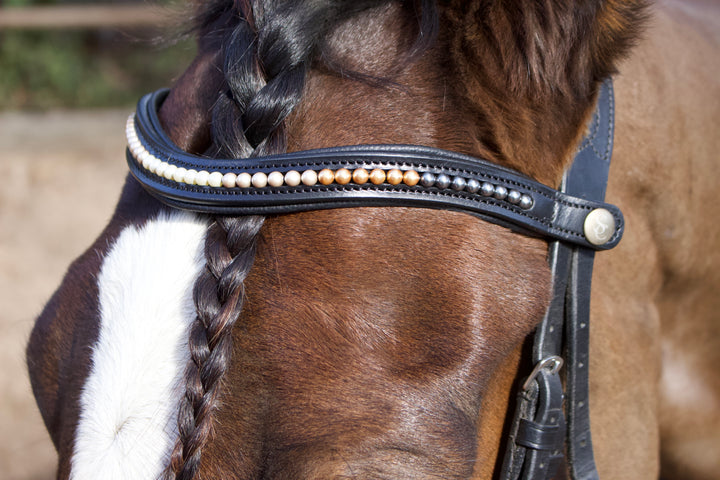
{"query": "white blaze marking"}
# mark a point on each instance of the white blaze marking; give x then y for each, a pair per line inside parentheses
(127, 424)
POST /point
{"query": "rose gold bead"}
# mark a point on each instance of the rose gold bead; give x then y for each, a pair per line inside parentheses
(394, 176)
(360, 176)
(377, 176)
(411, 178)
(343, 176)
(326, 176)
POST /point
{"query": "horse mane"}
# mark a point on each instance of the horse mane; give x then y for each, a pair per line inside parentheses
(267, 49)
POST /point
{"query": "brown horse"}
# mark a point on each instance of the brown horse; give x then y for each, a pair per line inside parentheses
(384, 342)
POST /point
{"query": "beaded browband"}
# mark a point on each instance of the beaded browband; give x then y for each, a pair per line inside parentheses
(361, 175)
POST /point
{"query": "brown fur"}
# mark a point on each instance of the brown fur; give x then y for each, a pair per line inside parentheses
(383, 343)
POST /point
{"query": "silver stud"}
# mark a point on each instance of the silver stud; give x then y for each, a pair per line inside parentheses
(599, 226)
(526, 202)
(472, 186)
(458, 184)
(487, 189)
(442, 181)
(500, 192)
(514, 197)
(427, 179)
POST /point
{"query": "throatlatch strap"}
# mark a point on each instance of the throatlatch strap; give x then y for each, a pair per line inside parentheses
(569, 314)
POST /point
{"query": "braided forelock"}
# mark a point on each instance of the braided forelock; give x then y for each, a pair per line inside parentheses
(267, 52)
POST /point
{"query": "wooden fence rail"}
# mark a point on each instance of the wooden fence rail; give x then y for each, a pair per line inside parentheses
(84, 16)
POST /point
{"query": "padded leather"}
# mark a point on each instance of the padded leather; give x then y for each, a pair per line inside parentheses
(554, 214)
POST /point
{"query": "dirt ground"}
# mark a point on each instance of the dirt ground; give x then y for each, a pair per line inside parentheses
(63, 172)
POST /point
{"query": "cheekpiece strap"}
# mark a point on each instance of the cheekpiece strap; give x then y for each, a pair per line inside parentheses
(358, 176)
(564, 333)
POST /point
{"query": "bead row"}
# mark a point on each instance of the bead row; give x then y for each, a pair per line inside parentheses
(486, 189)
(326, 176)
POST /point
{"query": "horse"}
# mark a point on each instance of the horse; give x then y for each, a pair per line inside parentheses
(388, 341)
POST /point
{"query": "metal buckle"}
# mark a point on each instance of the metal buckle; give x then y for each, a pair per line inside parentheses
(553, 363)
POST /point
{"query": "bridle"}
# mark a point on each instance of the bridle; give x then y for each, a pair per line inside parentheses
(573, 218)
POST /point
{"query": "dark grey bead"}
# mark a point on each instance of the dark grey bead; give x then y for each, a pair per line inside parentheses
(514, 197)
(500, 192)
(427, 179)
(487, 189)
(526, 202)
(472, 186)
(442, 181)
(458, 184)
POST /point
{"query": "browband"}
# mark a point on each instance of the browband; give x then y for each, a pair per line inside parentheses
(365, 175)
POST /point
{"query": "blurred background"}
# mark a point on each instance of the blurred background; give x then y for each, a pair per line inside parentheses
(70, 74)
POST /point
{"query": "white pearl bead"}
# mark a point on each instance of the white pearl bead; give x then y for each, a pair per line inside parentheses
(190, 176)
(275, 179)
(179, 174)
(228, 180)
(170, 171)
(160, 170)
(259, 180)
(202, 178)
(154, 163)
(292, 178)
(309, 177)
(215, 179)
(146, 161)
(244, 180)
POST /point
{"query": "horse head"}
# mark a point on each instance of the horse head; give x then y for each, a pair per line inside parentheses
(369, 342)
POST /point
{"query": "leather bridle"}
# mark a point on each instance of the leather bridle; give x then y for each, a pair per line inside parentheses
(573, 218)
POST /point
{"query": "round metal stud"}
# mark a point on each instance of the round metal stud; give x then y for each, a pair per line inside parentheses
(326, 176)
(514, 197)
(442, 181)
(500, 192)
(427, 179)
(360, 176)
(599, 226)
(472, 186)
(343, 176)
(526, 202)
(411, 178)
(394, 177)
(377, 176)
(487, 189)
(458, 184)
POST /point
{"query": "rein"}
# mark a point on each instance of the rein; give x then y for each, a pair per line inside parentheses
(573, 218)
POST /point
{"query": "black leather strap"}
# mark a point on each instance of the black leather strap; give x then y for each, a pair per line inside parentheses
(568, 314)
(553, 214)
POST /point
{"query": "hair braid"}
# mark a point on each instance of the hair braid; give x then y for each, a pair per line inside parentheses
(266, 57)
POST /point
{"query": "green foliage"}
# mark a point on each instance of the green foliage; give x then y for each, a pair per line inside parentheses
(80, 69)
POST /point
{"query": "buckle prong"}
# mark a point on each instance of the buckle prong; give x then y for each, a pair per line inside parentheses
(553, 363)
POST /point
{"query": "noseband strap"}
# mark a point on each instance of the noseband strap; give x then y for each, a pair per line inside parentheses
(358, 176)
(574, 219)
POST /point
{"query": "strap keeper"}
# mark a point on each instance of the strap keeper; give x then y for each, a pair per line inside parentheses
(538, 436)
